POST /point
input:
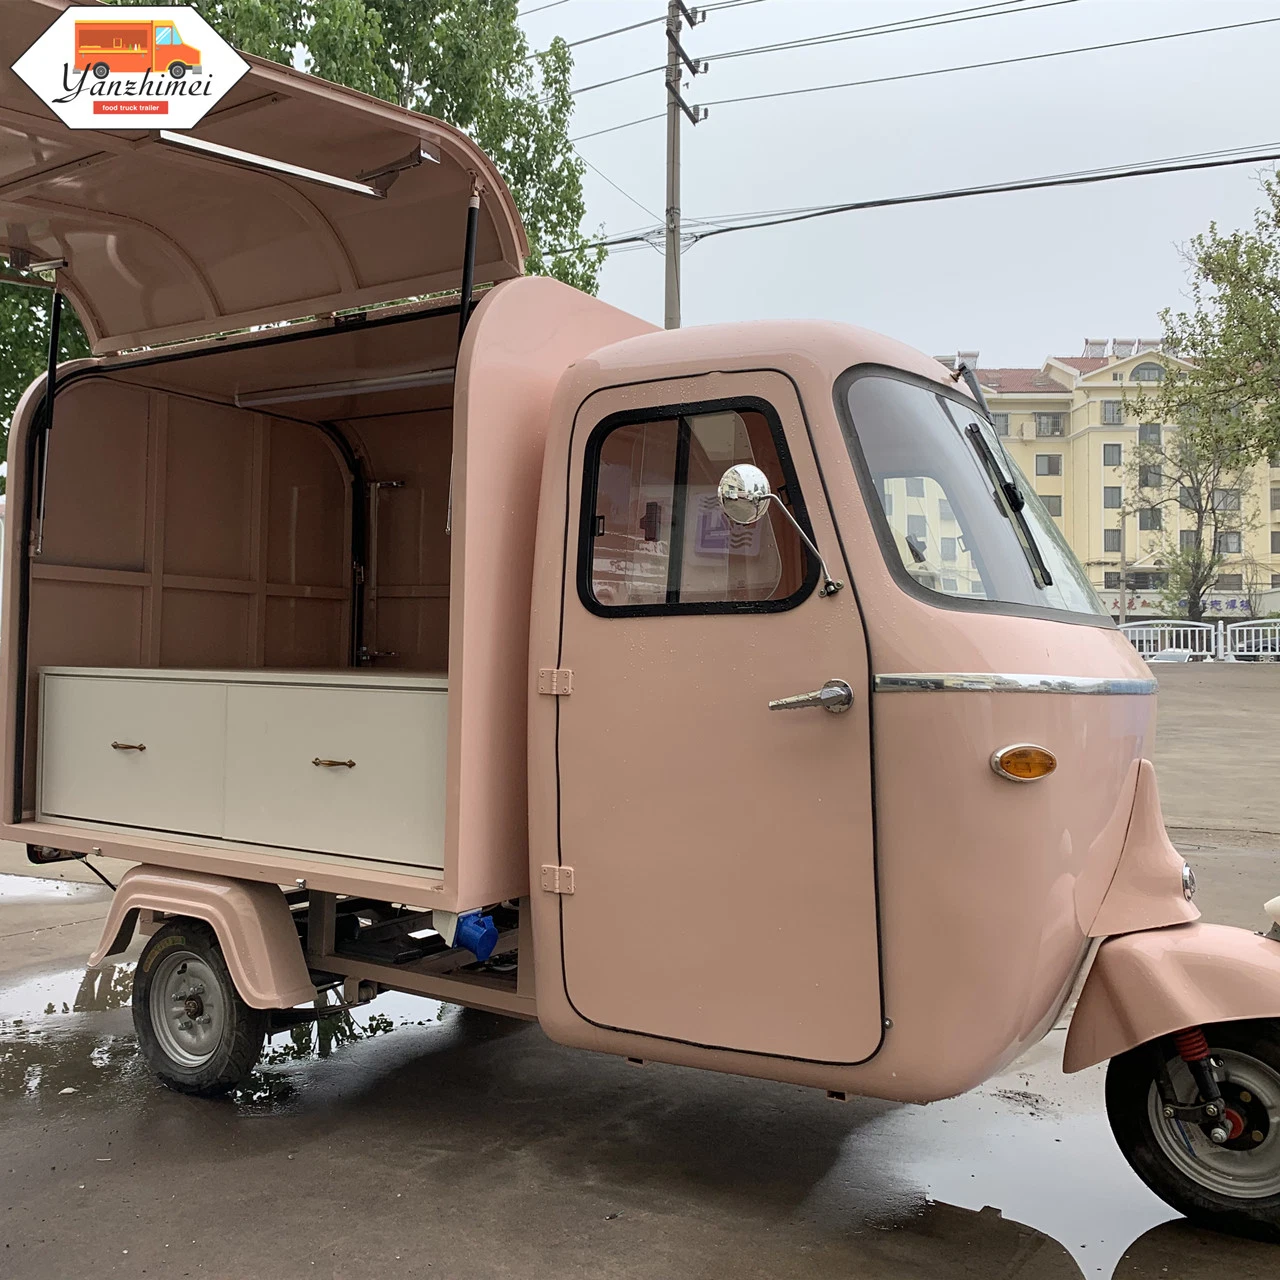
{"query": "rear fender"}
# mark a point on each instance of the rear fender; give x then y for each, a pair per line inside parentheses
(1146, 985)
(252, 922)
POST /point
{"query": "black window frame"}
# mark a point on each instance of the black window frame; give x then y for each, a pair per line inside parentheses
(682, 608)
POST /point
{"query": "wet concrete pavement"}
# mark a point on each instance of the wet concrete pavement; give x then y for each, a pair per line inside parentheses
(425, 1140)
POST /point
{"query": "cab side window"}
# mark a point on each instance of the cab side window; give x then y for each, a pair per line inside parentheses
(654, 537)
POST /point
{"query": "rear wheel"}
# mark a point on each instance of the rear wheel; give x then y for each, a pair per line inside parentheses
(1231, 1186)
(194, 1030)
(101, 70)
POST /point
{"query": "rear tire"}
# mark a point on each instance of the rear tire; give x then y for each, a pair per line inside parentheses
(194, 1030)
(101, 70)
(1233, 1187)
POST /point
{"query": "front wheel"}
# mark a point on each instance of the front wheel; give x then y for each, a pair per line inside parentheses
(1233, 1186)
(194, 1030)
(177, 70)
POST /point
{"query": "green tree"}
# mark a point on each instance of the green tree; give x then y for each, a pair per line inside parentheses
(1195, 486)
(1230, 336)
(24, 345)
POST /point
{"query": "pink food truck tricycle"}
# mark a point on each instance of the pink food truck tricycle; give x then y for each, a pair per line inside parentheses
(500, 648)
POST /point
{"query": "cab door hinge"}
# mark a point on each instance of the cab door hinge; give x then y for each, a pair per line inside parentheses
(556, 681)
(557, 879)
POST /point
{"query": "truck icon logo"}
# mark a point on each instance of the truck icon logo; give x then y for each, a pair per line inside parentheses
(140, 66)
(124, 44)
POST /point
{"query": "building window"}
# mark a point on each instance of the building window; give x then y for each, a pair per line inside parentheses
(1275, 489)
(1111, 495)
(1186, 498)
(1275, 538)
(1052, 503)
(915, 486)
(1275, 581)
(1112, 455)
(1050, 424)
(1146, 580)
(1117, 377)
(948, 551)
(944, 510)
(1113, 413)
(1111, 581)
(917, 530)
(654, 539)
(1001, 423)
(1226, 499)
(950, 586)
(1228, 543)
(1149, 433)
(1229, 582)
(1149, 518)
(1187, 540)
(1147, 373)
(1048, 464)
(886, 499)
(1111, 539)
(1150, 477)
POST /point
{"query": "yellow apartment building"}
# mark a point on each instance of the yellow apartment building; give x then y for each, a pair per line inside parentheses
(1067, 425)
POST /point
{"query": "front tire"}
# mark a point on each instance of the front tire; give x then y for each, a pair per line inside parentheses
(194, 1031)
(1233, 1187)
(177, 70)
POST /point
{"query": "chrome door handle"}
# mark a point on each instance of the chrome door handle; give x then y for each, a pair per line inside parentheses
(834, 696)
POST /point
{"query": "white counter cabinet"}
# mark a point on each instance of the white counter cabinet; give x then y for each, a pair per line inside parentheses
(341, 763)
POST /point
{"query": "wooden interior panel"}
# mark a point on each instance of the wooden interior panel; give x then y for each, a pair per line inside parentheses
(307, 538)
(209, 496)
(305, 633)
(98, 457)
(205, 629)
(417, 630)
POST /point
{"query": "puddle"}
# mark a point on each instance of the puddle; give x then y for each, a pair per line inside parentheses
(43, 1050)
(23, 890)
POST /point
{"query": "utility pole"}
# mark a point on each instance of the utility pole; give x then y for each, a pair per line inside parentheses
(675, 105)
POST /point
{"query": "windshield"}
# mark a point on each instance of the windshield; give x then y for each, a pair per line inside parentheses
(961, 517)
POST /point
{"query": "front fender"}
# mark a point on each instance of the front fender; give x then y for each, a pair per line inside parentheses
(252, 921)
(1146, 985)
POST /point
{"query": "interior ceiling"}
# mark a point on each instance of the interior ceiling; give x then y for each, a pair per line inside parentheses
(391, 347)
(164, 245)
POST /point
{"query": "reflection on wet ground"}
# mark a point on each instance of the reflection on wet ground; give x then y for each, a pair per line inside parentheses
(411, 1112)
(19, 890)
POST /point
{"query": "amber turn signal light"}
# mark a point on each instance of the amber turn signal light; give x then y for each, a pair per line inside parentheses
(1024, 762)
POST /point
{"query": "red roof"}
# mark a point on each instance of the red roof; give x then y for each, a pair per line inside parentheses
(1020, 381)
(1085, 364)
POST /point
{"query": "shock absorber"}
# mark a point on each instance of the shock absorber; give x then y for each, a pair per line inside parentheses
(1193, 1049)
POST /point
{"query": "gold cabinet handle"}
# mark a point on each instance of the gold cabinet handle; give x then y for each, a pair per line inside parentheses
(128, 746)
(334, 764)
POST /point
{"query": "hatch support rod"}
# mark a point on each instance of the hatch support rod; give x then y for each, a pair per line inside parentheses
(50, 388)
(469, 259)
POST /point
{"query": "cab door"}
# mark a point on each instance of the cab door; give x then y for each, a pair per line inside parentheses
(724, 878)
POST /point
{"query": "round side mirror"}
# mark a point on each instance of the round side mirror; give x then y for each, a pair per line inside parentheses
(744, 493)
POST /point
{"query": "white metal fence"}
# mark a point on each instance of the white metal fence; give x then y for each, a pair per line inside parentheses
(1256, 641)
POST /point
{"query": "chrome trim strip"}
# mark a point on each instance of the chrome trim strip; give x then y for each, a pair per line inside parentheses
(1002, 682)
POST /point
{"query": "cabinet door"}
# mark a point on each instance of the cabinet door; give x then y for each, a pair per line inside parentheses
(93, 766)
(388, 804)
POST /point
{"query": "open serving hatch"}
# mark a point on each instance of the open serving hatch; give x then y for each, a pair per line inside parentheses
(169, 239)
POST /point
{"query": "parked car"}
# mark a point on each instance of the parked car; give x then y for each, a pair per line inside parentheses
(1179, 655)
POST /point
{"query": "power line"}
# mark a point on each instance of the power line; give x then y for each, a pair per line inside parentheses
(1084, 177)
(997, 62)
(643, 207)
(524, 13)
(921, 23)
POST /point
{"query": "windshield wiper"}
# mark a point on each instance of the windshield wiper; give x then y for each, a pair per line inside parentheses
(1014, 502)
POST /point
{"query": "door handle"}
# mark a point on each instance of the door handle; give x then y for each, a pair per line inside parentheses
(834, 696)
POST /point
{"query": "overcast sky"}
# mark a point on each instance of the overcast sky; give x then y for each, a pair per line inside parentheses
(1015, 277)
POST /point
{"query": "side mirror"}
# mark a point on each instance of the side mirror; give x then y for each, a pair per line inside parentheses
(744, 494)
